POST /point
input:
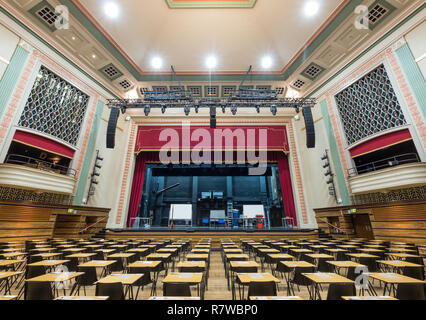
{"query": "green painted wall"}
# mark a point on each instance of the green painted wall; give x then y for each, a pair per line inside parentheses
(334, 151)
(11, 77)
(414, 76)
(88, 157)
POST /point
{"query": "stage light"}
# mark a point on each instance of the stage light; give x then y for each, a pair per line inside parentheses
(311, 8)
(297, 108)
(258, 108)
(163, 108)
(196, 107)
(123, 109)
(99, 158)
(324, 157)
(327, 173)
(98, 166)
(274, 109)
(111, 10)
(187, 109)
(211, 62)
(326, 165)
(156, 62)
(223, 108)
(330, 181)
(147, 109)
(95, 174)
(266, 62)
(94, 181)
(234, 109)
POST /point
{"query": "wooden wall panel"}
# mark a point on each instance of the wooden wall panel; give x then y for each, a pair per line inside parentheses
(400, 213)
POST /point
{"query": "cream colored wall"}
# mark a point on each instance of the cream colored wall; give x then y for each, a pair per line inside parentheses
(416, 42)
(9, 41)
(107, 192)
(313, 180)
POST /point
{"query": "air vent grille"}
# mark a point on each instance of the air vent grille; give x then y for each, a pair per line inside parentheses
(195, 90)
(298, 84)
(125, 84)
(47, 15)
(111, 72)
(211, 91)
(227, 90)
(279, 90)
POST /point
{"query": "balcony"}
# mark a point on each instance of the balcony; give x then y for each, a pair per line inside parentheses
(40, 179)
(395, 176)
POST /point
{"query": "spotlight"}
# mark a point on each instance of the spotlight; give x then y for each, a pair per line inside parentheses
(274, 109)
(94, 181)
(297, 108)
(196, 108)
(187, 109)
(147, 109)
(326, 165)
(163, 108)
(327, 173)
(223, 108)
(324, 157)
(95, 174)
(330, 181)
(99, 158)
(258, 108)
(123, 109)
(98, 166)
(211, 62)
(234, 109)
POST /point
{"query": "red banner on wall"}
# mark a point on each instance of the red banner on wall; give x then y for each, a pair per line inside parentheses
(154, 138)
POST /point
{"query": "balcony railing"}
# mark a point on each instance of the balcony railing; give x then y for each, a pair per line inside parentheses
(39, 164)
(384, 163)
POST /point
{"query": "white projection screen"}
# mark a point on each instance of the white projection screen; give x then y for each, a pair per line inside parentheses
(252, 210)
(180, 212)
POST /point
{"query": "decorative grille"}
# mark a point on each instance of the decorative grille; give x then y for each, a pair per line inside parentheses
(369, 106)
(55, 107)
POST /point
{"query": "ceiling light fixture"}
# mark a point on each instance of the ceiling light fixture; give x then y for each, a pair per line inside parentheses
(311, 8)
(266, 62)
(156, 63)
(211, 62)
(111, 9)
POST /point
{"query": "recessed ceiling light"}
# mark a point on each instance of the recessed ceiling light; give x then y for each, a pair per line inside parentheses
(111, 9)
(211, 62)
(73, 37)
(94, 56)
(266, 62)
(311, 8)
(156, 62)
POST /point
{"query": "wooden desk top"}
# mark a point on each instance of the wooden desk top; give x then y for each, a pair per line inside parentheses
(55, 277)
(399, 263)
(97, 263)
(401, 250)
(288, 247)
(9, 262)
(137, 250)
(294, 264)
(67, 246)
(105, 250)
(175, 277)
(347, 246)
(394, 278)
(199, 256)
(48, 255)
(200, 264)
(246, 278)
(345, 264)
(8, 297)
(370, 250)
(232, 250)
(121, 255)
(242, 264)
(94, 246)
(365, 298)
(320, 256)
(362, 255)
(269, 250)
(200, 250)
(318, 246)
(145, 264)
(293, 298)
(8, 274)
(81, 255)
(118, 246)
(13, 254)
(125, 279)
(161, 256)
(173, 298)
(280, 256)
(48, 263)
(301, 250)
(237, 256)
(336, 250)
(321, 277)
(80, 298)
(73, 250)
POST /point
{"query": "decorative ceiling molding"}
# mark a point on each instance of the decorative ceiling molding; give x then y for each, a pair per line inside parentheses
(191, 4)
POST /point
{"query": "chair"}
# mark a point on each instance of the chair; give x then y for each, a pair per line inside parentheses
(262, 289)
(38, 291)
(407, 291)
(338, 290)
(117, 266)
(87, 279)
(414, 272)
(370, 263)
(34, 259)
(99, 256)
(113, 290)
(323, 266)
(299, 279)
(142, 282)
(176, 290)
(72, 264)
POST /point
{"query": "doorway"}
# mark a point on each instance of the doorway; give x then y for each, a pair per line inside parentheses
(362, 226)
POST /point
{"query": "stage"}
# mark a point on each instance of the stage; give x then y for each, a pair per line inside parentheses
(216, 235)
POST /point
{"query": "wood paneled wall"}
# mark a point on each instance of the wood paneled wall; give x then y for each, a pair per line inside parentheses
(403, 221)
(26, 221)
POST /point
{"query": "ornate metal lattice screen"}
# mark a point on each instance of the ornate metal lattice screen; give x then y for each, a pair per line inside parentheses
(55, 107)
(369, 106)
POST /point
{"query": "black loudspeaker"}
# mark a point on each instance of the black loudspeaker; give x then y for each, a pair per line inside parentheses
(112, 124)
(212, 117)
(310, 127)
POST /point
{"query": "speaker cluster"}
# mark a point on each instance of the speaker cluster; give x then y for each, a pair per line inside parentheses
(310, 126)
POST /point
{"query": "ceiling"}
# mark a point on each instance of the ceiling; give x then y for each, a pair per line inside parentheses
(238, 37)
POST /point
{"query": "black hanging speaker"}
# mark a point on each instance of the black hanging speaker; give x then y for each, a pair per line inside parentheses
(212, 117)
(112, 124)
(310, 127)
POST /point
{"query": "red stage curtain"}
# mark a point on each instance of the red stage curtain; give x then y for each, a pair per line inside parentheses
(285, 181)
(137, 185)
